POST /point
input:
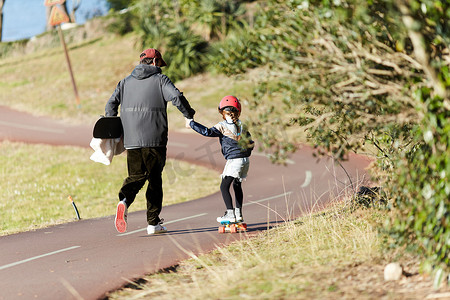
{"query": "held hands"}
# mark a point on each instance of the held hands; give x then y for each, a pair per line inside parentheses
(188, 122)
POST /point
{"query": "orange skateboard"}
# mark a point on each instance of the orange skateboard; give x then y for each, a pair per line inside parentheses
(232, 227)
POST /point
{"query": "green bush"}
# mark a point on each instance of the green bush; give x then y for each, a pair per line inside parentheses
(421, 190)
(162, 25)
(217, 17)
(184, 53)
(7, 48)
(117, 5)
(154, 18)
(174, 27)
(121, 23)
(351, 73)
(240, 51)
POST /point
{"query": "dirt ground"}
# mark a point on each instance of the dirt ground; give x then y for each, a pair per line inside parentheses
(366, 281)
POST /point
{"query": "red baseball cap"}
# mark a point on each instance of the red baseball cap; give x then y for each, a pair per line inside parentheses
(152, 53)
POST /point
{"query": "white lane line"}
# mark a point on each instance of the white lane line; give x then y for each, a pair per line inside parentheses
(31, 127)
(168, 222)
(307, 179)
(186, 218)
(268, 198)
(37, 257)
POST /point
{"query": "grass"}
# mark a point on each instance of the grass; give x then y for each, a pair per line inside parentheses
(35, 194)
(333, 255)
(45, 87)
(40, 83)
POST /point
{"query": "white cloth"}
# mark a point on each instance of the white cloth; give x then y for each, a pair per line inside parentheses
(105, 149)
(237, 168)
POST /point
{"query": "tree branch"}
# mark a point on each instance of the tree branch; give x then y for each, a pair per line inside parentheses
(420, 50)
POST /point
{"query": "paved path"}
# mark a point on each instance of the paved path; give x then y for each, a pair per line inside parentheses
(88, 258)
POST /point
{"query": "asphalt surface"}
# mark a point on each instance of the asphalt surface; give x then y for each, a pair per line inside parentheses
(88, 258)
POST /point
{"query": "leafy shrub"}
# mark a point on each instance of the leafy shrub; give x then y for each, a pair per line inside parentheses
(121, 23)
(217, 17)
(8, 47)
(160, 25)
(240, 51)
(184, 53)
(421, 190)
(348, 76)
(117, 5)
(154, 19)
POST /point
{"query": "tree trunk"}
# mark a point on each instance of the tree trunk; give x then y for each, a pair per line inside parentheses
(2, 2)
(75, 6)
(421, 51)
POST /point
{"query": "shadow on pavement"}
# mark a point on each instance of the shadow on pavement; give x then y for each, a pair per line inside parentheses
(251, 227)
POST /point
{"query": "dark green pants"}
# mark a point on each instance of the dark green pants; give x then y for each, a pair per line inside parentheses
(145, 164)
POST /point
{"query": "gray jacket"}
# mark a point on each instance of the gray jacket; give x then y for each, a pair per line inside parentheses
(143, 98)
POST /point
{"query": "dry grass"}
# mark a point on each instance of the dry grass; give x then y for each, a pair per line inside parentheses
(332, 255)
(41, 83)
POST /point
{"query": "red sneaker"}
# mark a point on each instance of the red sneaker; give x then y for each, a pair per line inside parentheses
(121, 217)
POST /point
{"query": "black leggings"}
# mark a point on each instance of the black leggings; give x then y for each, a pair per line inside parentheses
(225, 189)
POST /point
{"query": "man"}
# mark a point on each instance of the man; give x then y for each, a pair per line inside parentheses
(142, 97)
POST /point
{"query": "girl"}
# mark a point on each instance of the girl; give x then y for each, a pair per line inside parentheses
(230, 132)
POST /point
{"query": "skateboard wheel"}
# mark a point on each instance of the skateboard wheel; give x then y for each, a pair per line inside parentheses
(221, 229)
(233, 228)
(244, 226)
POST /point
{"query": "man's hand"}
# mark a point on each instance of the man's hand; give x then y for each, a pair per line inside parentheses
(188, 122)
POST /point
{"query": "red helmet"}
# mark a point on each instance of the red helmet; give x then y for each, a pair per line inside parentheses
(230, 101)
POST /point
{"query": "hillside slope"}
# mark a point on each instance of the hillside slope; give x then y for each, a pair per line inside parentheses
(40, 83)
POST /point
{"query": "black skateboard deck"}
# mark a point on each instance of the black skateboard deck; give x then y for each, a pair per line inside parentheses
(108, 128)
